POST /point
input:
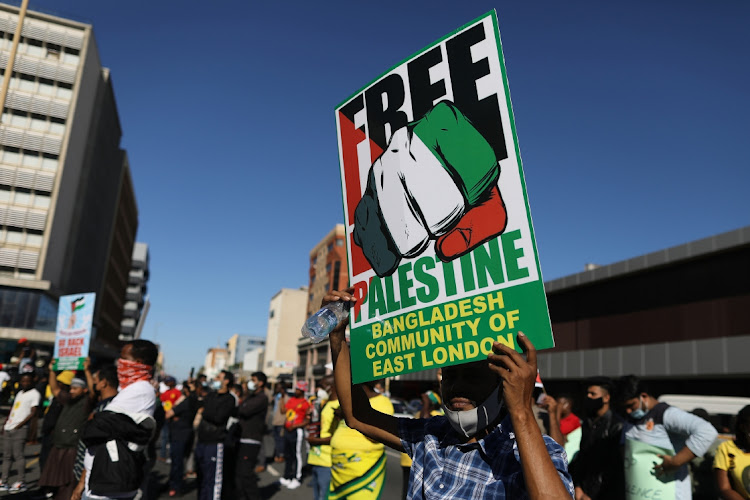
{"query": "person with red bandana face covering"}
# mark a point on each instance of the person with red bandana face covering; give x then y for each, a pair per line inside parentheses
(137, 397)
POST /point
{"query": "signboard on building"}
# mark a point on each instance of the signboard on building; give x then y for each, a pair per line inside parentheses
(74, 321)
(440, 243)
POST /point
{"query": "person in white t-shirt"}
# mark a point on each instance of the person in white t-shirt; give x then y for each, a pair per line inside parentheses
(15, 430)
(135, 369)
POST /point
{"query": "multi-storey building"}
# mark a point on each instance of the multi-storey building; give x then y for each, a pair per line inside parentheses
(238, 345)
(68, 214)
(328, 268)
(286, 315)
(328, 271)
(136, 291)
(216, 361)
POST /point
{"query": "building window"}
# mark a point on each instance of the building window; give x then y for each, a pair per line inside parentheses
(328, 268)
(339, 242)
(336, 274)
(330, 247)
(270, 315)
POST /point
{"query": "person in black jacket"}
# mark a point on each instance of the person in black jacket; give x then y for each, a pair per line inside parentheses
(252, 415)
(180, 420)
(598, 470)
(218, 406)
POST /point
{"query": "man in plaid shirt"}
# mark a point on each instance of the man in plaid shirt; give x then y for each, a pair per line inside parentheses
(487, 446)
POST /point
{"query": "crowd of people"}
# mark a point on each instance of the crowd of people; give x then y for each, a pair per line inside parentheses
(488, 430)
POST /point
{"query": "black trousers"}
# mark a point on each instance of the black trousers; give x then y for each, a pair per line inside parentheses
(246, 480)
(293, 448)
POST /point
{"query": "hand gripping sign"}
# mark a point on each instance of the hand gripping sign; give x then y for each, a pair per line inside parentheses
(441, 248)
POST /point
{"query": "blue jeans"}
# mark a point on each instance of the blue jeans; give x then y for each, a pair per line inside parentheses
(321, 481)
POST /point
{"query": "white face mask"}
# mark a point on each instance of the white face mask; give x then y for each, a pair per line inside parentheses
(251, 386)
(468, 423)
(322, 393)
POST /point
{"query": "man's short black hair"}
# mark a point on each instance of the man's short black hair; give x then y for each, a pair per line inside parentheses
(229, 377)
(144, 351)
(603, 382)
(261, 377)
(27, 374)
(109, 373)
(629, 387)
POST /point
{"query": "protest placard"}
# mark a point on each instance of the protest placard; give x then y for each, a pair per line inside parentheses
(75, 316)
(440, 244)
(641, 480)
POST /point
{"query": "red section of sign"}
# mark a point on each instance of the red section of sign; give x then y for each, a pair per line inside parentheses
(350, 137)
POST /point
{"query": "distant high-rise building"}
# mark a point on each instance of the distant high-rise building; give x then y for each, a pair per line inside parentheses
(238, 345)
(136, 291)
(68, 214)
(216, 360)
(328, 268)
(328, 271)
(286, 315)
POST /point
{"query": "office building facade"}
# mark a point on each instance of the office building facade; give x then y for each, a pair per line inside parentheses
(286, 314)
(136, 292)
(68, 214)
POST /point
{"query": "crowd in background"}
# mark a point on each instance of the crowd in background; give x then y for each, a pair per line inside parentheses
(102, 428)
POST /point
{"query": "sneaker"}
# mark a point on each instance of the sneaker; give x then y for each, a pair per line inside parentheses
(17, 487)
(4, 486)
(293, 484)
(284, 481)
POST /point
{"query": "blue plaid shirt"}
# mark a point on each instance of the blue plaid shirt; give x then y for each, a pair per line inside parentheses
(487, 469)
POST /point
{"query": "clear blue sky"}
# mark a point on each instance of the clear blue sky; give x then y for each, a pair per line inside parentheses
(632, 117)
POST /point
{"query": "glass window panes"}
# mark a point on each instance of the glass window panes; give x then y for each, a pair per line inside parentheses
(38, 123)
(14, 236)
(11, 157)
(57, 128)
(19, 119)
(46, 87)
(64, 93)
(27, 85)
(49, 163)
(34, 240)
(4, 193)
(22, 198)
(41, 200)
(69, 58)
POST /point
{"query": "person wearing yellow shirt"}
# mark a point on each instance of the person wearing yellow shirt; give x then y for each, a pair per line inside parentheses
(357, 462)
(732, 461)
(319, 457)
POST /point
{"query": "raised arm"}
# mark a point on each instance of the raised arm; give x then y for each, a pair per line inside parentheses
(89, 378)
(354, 402)
(540, 474)
(54, 387)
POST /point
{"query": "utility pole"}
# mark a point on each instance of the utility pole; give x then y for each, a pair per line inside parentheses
(12, 57)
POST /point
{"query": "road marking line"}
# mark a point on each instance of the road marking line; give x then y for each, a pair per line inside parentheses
(272, 471)
(32, 462)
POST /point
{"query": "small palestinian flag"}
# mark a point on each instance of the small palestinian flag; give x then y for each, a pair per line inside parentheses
(538, 383)
(77, 304)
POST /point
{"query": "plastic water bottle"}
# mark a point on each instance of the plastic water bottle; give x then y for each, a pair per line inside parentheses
(322, 323)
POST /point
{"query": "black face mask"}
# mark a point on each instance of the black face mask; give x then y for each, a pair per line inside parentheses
(591, 406)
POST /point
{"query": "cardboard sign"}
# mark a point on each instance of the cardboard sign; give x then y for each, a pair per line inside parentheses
(75, 315)
(440, 243)
(641, 481)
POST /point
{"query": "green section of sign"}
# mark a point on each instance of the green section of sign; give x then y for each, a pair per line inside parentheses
(68, 364)
(641, 481)
(450, 333)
